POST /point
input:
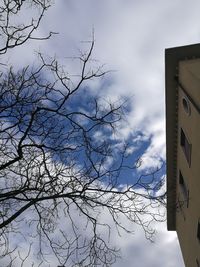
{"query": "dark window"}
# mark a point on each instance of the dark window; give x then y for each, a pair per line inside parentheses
(198, 230)
(184, 189)
(186, 146)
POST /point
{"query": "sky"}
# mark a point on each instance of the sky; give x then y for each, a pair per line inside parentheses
(130, 38)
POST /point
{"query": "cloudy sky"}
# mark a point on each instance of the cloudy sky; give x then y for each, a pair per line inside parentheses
(130, 37)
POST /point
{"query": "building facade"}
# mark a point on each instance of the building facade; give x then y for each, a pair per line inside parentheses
(183, 148)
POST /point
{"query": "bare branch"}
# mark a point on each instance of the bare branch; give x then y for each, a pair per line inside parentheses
(62, 172)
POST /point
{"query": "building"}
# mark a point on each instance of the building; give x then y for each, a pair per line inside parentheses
(183, 148)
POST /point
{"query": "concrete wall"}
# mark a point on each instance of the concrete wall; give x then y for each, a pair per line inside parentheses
(188, 209)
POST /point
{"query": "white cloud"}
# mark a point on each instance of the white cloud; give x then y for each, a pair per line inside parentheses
(138, 252)
(135, 249)
(130, 37)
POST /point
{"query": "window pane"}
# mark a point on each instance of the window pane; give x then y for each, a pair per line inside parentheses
(184, 188)
(198, 230)
(186, 146)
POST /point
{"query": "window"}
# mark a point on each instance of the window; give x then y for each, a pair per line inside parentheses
(186, 105)
(198, 230)
(186, 146)
(184, 189)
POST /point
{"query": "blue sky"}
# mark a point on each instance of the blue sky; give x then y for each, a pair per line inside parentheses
(130, 37)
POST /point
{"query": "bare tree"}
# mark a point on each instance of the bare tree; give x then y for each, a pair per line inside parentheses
(60, 163)
(15, 30)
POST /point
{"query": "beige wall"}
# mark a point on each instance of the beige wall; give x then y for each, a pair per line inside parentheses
(187, 217)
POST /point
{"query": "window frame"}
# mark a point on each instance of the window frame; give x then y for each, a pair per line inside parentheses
(184, 188)
(186, 105)
(186, 146)
(198, 230)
